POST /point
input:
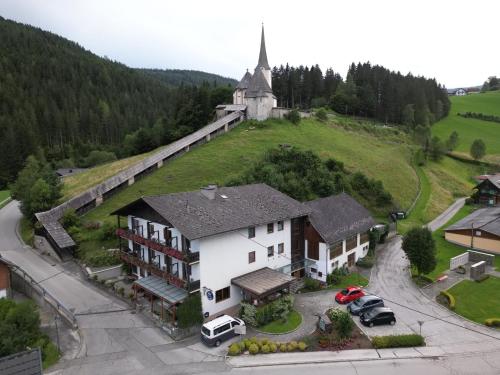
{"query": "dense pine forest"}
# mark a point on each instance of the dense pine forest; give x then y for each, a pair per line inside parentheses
(369, 91)
(178, 77)
(61, 102)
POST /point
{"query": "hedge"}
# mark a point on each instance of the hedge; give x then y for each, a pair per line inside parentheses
(189, 312)
(397, 341)
(265, 346)
(450, 299)
(492, 322)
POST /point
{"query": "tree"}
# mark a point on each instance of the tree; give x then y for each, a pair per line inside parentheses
(437, 149)
(37, 187)
(409, 116)
(420, 248)
(452, 141)
(478, 149)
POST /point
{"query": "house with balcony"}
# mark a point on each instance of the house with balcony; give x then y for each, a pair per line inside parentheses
(336, 234)
(228, 244)
(488, 190)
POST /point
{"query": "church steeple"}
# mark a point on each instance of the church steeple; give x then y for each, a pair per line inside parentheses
(263, 64)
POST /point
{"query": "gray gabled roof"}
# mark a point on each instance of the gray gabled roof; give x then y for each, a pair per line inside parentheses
(245, 81)
(486, 219)
(233, 208)
(258, 86)
(339, 216)
(495, 180)
(263, 54)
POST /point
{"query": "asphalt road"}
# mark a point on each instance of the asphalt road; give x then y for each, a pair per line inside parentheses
(121, 342)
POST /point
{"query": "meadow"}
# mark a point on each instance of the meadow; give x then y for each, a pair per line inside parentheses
(470, 129)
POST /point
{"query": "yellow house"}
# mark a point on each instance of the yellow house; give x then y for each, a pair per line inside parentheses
(480, 230)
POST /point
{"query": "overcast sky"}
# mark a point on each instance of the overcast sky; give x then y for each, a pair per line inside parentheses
(457, 42)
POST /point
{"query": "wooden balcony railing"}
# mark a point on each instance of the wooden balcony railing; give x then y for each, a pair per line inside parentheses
(152, 268)
(162, 247)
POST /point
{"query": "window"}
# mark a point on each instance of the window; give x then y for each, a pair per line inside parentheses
(320, 274)
(151, 230)
(281, 225)
(222, 294)
(281, 248)
(270, 228)
(336, 250)
(335, 265)
(270, 251)
(251, 257)
(352, 242)
(222, 329)
(313, 270)
(251, 232)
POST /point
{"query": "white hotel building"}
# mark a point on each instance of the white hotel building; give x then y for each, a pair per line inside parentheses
(229, 244)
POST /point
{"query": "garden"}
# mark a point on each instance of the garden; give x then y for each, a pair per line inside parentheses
(276, 317)
(479, 302)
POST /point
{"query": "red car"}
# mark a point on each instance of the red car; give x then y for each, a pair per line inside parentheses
(349, 294)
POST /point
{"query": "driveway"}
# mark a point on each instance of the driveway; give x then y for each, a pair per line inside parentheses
(390, 280)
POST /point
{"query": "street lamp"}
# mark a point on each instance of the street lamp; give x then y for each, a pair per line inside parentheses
(420, 323)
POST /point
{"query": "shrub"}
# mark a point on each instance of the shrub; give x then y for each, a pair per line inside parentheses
(248, 314)
(283, 348)
(70, 219)
(321, 114)
(273, 347)
(492, 322)
(366, 262)
(265, 349)
(107, 232)
(469, 201)
(189, 312)
(333, 279)
(121, 291)
(253, 349)
(397, 341)
(294, 117)
(234, 349)
(449, 298)
(302, 346)
(247, 343)
(312, 284)
(343, 323)
(242, 346)
(278, 309)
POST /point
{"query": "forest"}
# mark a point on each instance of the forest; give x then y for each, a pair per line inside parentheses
(61, 102)
(367, 91)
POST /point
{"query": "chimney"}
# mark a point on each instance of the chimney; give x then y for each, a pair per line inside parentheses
(209, 191)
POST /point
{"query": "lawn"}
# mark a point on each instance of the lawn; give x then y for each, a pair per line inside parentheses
(276, 327)
(225, 157)
(477, 301)
(4, 195)
(470, 129)
(353, 278)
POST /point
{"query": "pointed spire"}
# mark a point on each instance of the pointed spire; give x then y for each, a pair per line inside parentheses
(263, 55)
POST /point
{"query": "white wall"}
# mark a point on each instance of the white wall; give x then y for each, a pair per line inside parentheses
(3, 293)
(325, 262)
(225, 256)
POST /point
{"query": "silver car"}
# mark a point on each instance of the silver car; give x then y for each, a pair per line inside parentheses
(364, 303)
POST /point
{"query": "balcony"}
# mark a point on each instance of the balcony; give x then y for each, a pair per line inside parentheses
(132, 258)
(169, 248)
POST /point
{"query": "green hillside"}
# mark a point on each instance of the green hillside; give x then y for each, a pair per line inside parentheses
(471, 129)
(385, 157)
(178, 77)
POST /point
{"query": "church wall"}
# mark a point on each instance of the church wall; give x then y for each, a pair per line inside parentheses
(260, 108)
(239, 96)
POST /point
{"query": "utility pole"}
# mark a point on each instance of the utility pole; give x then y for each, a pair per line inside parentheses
(56, 317)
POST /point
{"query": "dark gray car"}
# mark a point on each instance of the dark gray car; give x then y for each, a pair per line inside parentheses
(364, 303)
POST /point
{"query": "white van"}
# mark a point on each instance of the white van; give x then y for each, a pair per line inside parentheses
(219, 329)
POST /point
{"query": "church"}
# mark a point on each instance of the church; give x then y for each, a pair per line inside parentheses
(254, 93)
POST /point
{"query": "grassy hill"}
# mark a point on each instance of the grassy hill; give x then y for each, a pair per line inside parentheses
(471, 129)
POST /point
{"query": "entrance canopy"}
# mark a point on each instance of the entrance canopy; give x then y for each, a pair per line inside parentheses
(263, 282)
(159, 287)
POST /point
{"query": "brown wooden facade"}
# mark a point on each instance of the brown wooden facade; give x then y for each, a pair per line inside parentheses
(5, 278)
(487, 193)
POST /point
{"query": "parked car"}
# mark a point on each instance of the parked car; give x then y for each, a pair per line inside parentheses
(214, 332)
(377, 316)
(349, 294)
(364, 303)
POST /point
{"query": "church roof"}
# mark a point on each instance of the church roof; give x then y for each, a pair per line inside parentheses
(258, 86)
(263, 55)
(245, 81)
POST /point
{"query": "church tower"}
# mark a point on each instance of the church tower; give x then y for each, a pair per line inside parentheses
(263, 65)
